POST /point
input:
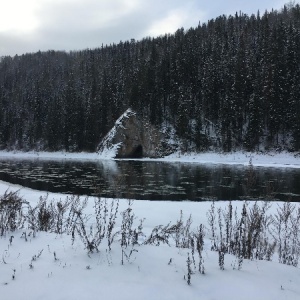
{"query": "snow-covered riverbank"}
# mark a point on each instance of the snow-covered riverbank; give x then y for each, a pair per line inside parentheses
(272, 159)
(49, 266)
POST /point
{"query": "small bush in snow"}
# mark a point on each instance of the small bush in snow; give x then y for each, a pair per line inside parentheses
(11, 212)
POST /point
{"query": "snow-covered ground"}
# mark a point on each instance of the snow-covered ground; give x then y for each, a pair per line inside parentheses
(271, 159)
(50, 267)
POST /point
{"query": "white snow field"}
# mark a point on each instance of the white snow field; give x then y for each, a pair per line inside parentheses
(50, 266)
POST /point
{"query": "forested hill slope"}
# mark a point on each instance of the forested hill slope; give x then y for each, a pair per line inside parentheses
(229, 84)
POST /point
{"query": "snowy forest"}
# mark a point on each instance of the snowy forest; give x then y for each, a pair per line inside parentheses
(229, 84)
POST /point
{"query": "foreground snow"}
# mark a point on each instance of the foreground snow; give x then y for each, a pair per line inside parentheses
(72, 274)
(271, 159)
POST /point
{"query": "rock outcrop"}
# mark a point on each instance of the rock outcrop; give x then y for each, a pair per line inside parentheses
(132, 137)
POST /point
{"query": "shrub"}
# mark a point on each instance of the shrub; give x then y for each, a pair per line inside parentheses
(11, 212)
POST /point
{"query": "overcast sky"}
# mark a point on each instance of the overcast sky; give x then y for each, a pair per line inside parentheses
(33, 25)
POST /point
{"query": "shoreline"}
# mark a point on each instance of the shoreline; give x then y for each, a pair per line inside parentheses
(270, 159)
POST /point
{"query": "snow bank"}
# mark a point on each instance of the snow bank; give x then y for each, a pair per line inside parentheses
(272, 159)
(50, 267)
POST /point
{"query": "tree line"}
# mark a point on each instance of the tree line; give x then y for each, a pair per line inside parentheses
(231, 83)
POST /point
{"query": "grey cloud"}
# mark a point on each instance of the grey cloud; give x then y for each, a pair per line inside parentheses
(80, 24)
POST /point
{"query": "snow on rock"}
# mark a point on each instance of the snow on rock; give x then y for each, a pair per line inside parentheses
(132, 137)
(108, 147)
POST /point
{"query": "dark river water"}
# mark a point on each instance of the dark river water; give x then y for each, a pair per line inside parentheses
(154, 180)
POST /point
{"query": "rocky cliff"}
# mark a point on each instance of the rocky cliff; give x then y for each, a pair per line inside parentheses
(132, 137)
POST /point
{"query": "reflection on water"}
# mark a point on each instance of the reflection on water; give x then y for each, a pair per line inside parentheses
(153, 180)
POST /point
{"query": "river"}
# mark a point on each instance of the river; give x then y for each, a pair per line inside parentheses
(154, 180)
